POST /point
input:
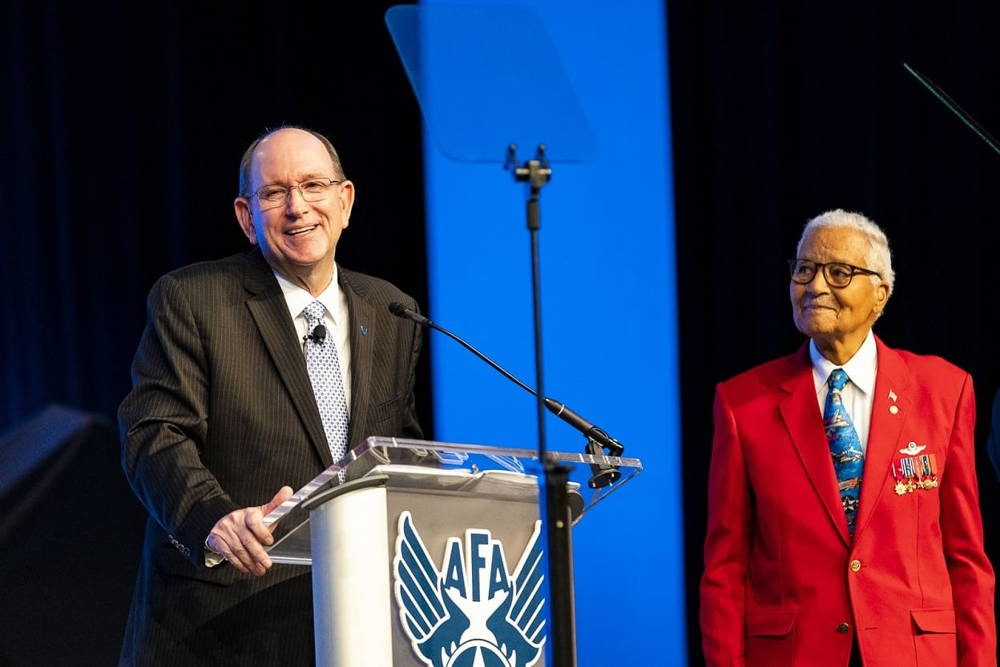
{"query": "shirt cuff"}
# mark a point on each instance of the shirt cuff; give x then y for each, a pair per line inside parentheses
(211, 557)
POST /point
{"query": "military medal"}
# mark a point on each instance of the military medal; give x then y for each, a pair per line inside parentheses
(918, 471)
(928, 470)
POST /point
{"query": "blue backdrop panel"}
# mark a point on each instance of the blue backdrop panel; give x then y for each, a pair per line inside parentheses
(609, 317)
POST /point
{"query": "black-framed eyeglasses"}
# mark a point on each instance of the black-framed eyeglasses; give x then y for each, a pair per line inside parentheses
(837, 274)
(313, 189)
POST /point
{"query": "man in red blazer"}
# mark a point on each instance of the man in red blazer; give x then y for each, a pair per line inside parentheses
(843, 523)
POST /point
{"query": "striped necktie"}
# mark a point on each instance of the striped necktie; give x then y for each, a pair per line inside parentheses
(845, 447)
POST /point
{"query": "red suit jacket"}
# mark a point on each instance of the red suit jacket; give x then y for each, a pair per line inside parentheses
(785, 584)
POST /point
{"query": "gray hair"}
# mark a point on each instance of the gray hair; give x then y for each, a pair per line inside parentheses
(247, 159)
(879, 259)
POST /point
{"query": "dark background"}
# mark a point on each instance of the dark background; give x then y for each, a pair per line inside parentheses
(781, 111)
(124, 124)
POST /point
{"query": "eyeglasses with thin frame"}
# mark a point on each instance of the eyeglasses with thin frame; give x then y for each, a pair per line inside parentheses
(313, 189)
(837, 274)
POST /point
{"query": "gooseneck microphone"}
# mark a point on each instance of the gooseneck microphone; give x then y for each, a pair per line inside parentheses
(603, 475)
(317, 336)
(399, 310)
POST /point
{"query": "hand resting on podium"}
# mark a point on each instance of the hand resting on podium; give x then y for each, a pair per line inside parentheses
(240, 536)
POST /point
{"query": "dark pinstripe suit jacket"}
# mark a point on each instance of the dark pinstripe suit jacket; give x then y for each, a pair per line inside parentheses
(221, 415)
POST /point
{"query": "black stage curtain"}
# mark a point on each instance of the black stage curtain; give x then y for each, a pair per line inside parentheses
(122, 134)
(783, 110)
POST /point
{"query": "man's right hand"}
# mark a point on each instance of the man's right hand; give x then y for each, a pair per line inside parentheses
(240, 536)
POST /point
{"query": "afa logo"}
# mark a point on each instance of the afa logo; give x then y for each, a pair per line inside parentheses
(473, 612)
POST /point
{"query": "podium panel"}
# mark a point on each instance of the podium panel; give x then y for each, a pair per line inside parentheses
(397, 556)
(435, 562)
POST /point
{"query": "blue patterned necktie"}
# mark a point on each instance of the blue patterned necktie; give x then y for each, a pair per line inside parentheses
(328, 387)
(845, 447)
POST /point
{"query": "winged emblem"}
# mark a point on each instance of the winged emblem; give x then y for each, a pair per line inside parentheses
(472, 612)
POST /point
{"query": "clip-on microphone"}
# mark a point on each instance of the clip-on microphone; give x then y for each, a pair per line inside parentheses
(317, 336)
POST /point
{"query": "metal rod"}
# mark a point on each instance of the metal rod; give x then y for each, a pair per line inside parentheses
(952, 106)
(557, 512)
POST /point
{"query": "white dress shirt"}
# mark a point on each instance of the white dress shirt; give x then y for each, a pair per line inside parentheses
(859, 392)
(335, 320)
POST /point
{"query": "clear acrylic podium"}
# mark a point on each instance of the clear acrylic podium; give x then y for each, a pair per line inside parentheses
(429, 553)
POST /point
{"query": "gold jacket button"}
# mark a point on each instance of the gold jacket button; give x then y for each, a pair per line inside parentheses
(843, 627)
(855, 565)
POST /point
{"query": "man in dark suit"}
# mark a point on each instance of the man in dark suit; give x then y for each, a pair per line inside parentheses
(843, 522)
(239, 397)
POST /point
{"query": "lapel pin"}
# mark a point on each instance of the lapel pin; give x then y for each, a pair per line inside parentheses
(893, 409)
(364, 330)
(892, 396)
(913, 449)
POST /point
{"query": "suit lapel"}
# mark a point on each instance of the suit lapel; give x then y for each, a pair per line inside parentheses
(800, 412)
(361, 321)
(269, 309)
(886, 426)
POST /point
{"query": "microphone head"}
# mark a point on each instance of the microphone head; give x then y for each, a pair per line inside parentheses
(399, 310)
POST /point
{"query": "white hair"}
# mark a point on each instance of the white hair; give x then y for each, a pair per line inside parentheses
(878, 259)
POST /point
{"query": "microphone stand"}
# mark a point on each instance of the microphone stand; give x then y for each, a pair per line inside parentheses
(536, 173)
(599, 442)
(953, 107)
(558, 511)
